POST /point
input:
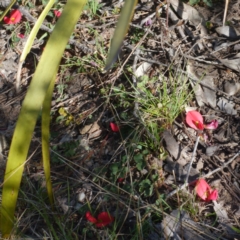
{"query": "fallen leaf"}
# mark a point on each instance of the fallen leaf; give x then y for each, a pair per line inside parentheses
(171, 144)
(208, 91)
(204, 93)
(189, 13)
(180, 171)
(226, 106)
(228, 31)
(220, 211)
(210, 151)
(90, 128)
(142, 69)
(233, 63)
(179, 225)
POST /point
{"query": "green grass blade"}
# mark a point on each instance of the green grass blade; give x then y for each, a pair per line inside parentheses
(7, 9)
(35, 30)
(31, 38)
(45, 139)
(120, 31)
(45, 72)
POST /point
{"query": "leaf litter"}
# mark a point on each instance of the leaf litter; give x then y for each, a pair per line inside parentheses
(90, 149)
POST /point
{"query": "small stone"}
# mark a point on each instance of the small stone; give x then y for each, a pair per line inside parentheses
(81, 197)
(144, 171)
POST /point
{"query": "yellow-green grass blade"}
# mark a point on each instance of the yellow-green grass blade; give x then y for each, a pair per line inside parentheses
(31, 38)
(45, 140)
(45, 72)
(7, 9)
(35, 30)
(120, 31)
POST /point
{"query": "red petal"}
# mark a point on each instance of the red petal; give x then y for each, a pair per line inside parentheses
(104, 218)
(6, 20)
(212, 125)
(195, 120)
(120, 180)
(90, 218)
(114, 127)
(17, 15)
(57, 13)
(213, 195)
(202, 189)
(20, 35)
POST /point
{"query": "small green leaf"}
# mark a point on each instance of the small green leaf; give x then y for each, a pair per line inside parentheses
(128, 188)
(138, 157)
(140, 166)
(140, 162)
(236, 229)
(139, 147)
(155, 177)
(209, 25)
(145, 152)
(208, 3)
(114, 168)
(146, 187)
(193, 2)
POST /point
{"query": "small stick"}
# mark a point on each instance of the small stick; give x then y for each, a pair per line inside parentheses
(134, 77)
(194, 152)
(225, 12)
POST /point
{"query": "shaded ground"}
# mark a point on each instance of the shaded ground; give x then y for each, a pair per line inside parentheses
(164, 68)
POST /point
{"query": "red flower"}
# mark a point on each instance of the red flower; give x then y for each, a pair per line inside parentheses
(114, 127)
(102, 220)
(57, 13)
(204, 191)
(120, 180)
(15, 17)
(195, 120)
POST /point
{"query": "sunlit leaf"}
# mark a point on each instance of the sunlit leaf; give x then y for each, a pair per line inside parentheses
(45, 139)
(45, 72)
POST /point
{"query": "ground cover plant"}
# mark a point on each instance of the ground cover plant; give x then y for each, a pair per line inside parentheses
(146, 148)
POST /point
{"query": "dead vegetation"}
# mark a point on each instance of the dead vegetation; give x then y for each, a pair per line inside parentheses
(175, 57)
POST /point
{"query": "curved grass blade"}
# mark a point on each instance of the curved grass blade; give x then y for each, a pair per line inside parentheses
(45, 139)
(31, 38)
(35, 30)
(45, 72)
(120, 31)
(7, 9)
